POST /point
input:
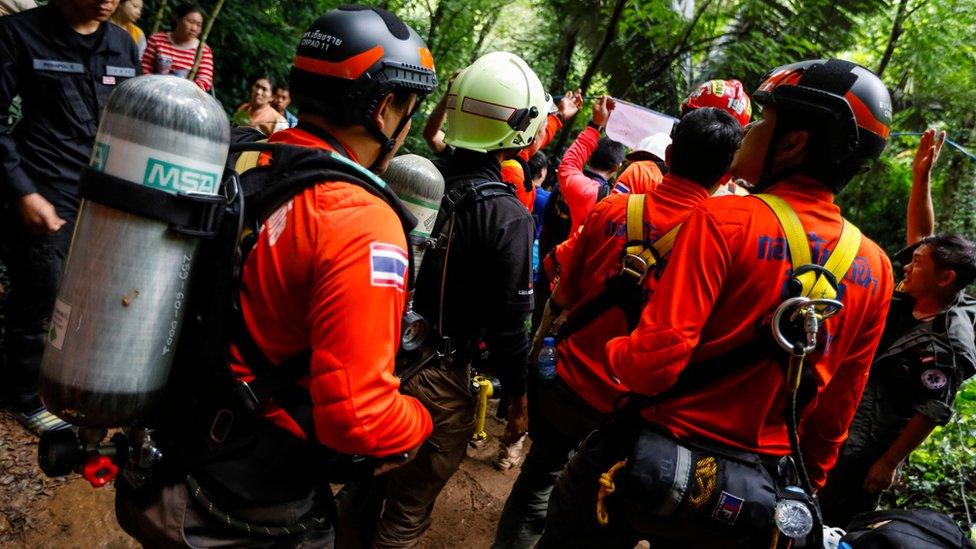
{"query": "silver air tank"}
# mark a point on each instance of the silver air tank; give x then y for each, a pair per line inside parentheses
(120, 306)
(420, 186)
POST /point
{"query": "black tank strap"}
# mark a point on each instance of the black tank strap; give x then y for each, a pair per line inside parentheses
(191, 214)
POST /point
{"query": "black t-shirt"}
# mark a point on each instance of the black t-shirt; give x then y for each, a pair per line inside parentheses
(488, 282)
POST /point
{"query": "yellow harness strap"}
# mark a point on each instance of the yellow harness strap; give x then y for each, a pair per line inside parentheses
(814, 285)
(636, 249)
(247, 160)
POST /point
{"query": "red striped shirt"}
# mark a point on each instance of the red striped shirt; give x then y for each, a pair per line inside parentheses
(162, 57)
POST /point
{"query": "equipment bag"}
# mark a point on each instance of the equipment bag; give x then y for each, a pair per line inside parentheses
(914, 528)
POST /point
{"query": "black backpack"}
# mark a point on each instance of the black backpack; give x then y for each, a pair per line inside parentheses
(904, 529)
(206, 420)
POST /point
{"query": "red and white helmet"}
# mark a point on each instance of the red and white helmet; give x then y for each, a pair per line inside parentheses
(727, 95)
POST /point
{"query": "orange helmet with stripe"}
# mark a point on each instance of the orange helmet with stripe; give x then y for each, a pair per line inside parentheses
(846, 106)
(351, 58)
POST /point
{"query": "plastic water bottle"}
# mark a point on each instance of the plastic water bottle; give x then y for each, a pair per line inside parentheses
(547, 359)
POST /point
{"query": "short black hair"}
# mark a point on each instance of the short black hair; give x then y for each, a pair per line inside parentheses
(703, 143)
(187, 8)
(608, 154)
(956, 253)
(536, 164)
(281, 86)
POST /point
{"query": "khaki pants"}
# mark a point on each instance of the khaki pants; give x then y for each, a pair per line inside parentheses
(412, 489)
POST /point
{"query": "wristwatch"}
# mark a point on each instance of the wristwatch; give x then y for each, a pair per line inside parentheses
(595, 126)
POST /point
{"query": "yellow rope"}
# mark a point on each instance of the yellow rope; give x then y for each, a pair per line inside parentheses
(706, 471)
(607, 487)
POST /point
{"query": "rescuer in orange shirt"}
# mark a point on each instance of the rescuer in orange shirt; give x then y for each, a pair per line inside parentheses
(328, 262)
(719, 417)
(643, 174)
(571, 404)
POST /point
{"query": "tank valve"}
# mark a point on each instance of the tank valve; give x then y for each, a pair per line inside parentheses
(99, 471)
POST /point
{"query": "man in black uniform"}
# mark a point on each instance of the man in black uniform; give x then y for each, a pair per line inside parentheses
(64, 60)
(926, 352)
(476, 286)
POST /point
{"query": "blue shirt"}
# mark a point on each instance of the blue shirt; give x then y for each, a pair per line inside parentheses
(539, 208)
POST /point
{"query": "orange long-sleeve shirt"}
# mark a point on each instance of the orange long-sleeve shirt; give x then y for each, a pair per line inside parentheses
(512, 172)
(595, 256)
(328, 273)
(726, 274)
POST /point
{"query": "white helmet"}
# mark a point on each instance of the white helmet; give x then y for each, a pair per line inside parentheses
(655, 145)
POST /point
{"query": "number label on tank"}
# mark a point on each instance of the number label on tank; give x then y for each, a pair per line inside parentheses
(59, 324)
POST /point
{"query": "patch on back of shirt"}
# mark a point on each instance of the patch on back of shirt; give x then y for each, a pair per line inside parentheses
(388, 265)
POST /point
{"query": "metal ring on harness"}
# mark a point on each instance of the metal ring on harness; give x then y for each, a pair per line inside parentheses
(634, 265)
(813, 311)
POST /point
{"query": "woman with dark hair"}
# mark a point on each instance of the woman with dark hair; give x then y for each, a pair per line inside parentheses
(173, 52)
(258, 112)
(126, 16)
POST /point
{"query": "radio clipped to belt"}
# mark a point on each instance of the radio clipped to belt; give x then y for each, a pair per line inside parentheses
(796, 324)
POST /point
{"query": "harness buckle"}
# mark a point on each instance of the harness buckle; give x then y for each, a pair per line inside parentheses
(635, 266)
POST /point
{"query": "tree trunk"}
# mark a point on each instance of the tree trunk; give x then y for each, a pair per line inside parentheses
(158, 19)
(203, 40)
(608, 35)
(435, 20)
(896, 30)
(486, 28)
(564, 61)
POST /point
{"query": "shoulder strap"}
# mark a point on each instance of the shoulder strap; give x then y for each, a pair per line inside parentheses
(457, 199)
(813, 282)
(625, 290)
(247, 160)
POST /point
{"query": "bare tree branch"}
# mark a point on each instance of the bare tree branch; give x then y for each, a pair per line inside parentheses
(203, 40)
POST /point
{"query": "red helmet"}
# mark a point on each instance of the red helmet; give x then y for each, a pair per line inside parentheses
(727, 95)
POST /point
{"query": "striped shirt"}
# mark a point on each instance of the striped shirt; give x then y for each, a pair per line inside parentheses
(161, 57)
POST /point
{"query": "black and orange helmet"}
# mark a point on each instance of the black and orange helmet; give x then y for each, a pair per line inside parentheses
(845, 100)
(352, 56)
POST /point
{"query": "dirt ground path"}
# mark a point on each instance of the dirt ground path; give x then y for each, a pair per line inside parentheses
(37, 512)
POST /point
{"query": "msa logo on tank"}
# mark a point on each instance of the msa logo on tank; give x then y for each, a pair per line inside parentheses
(173, 178)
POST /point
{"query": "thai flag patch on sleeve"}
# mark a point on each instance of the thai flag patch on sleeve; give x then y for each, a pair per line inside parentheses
(387, 265)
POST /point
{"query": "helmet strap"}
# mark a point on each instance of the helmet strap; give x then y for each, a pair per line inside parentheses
(388, 143)
(766, 175)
